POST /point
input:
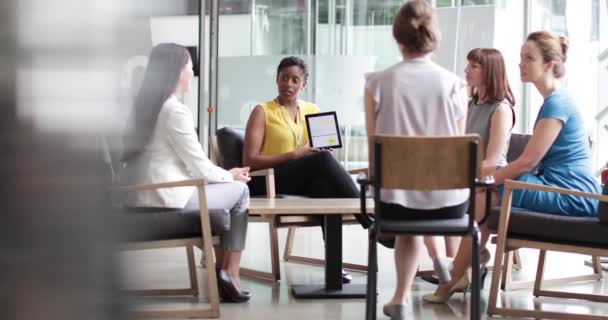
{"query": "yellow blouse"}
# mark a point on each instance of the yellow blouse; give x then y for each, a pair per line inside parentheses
(282, 133)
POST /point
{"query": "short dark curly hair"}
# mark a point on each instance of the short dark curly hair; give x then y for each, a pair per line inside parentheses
(293, 61)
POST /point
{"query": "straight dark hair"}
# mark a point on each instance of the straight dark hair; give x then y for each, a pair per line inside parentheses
(165, 65)
(494, 75)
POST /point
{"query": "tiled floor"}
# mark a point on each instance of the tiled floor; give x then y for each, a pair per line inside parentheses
(167, 268)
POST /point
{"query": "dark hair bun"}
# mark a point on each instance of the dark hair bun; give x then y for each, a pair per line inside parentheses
(415, 27)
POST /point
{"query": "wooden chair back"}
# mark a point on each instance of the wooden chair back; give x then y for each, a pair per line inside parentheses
(427, 163)
(214, 153)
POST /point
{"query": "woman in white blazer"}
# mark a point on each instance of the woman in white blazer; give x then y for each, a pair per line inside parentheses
(163, 146)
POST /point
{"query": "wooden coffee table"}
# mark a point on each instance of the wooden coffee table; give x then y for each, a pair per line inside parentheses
(333, 209)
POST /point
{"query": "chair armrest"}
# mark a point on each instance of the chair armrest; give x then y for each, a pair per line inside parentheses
(358, 171)
(269, 174)
(207, 240)
(485, 182)
(511, 184)
(364, 182)
(172, 184)
(262, 173)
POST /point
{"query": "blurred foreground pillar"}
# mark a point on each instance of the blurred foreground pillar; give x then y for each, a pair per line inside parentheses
(57, 238)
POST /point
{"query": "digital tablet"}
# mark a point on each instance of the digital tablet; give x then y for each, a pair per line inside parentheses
(323, 130)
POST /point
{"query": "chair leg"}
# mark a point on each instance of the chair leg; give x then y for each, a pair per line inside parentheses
(291, 236)
(501, 246)
(597, 266)
(275, 273)
(207, 247)
(496, 279)
(540, 269)
(372, 274)
(517, 263)
(192, 270)
(476, 279)
(540, 292)
(516, 260)
(507, 271)
(192, 276)
(274, 250)
(508, 284)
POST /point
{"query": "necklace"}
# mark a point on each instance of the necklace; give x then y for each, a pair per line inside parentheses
(296, 136)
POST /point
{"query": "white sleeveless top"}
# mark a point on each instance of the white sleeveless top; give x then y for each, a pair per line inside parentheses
(417, 97)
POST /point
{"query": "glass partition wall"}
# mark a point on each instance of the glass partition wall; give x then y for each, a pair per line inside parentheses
(601, 118)
(341, 40)
(157, 21)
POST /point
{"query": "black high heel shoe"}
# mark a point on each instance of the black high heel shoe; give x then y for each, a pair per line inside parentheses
(484, 274)
(228, 292)
(217, 276)
(430, 279)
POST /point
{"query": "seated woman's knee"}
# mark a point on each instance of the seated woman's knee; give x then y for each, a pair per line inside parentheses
(243, 190)
(242, 187)
(326, 157)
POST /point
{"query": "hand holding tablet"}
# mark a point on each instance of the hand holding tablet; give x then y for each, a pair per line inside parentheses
(323, 130)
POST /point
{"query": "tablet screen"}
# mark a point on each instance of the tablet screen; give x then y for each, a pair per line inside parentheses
(323, 130)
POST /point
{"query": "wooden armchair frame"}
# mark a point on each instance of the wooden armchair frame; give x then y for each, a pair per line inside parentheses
(506, 243)
(204, 242)
(512, 262)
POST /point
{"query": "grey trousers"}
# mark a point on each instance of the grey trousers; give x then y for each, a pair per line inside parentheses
(233, 196)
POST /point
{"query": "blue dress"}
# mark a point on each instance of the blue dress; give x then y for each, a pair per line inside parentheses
(567, 165)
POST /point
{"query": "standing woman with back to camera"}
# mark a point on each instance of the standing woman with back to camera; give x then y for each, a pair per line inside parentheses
(415, 97)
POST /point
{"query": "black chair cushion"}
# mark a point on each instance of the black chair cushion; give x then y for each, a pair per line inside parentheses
(439, 226)
(147, 224)
(517, 144)
(602, 210)
(538, 226)
(230, 146)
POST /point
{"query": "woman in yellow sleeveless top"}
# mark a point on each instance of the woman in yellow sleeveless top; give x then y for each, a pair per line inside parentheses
(276, 137)
(279, 138)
